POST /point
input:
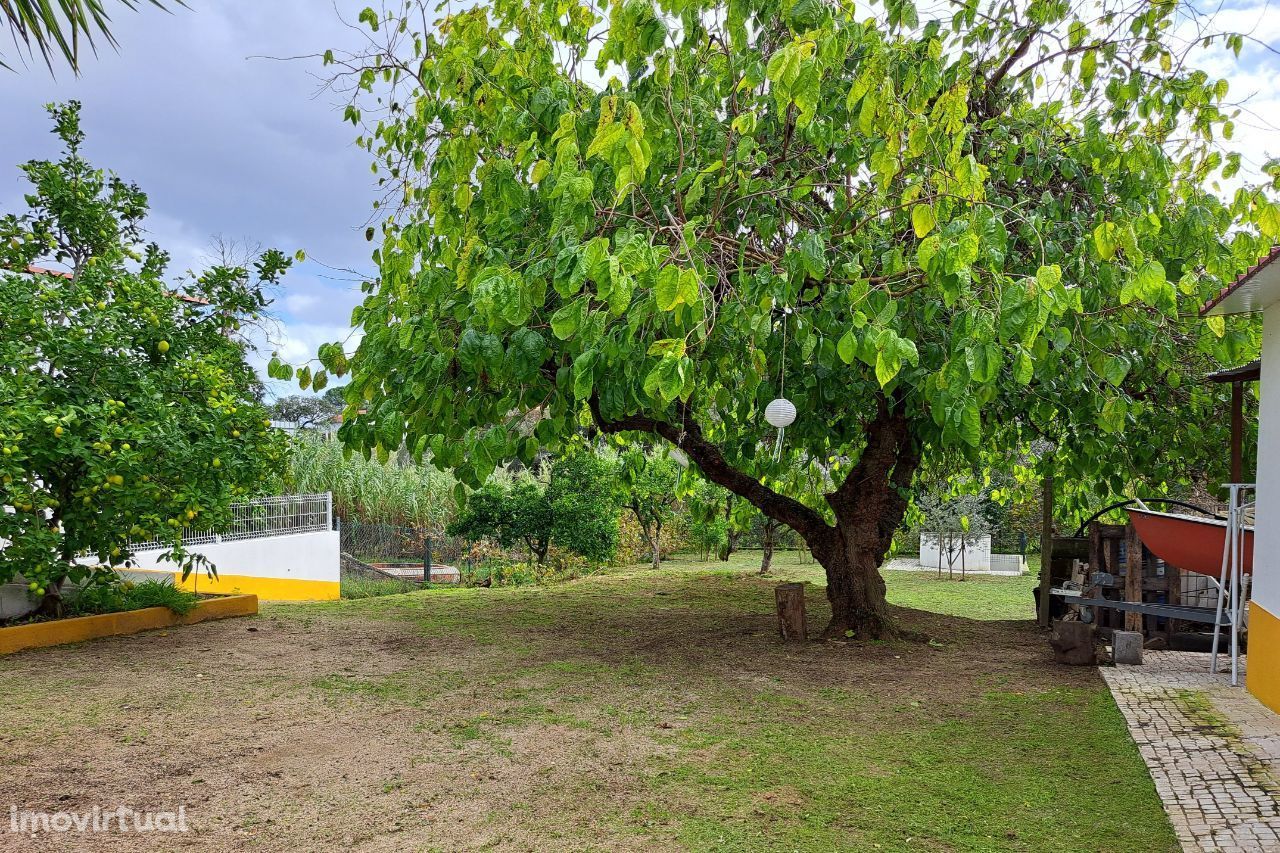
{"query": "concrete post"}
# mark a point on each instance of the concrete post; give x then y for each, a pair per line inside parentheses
(1127, 646)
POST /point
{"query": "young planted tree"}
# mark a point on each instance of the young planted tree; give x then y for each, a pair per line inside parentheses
(576, 510)
(126, 409)
(509, 513)
(650, 494)
(928, 234)
(768, 541)
(584, 495)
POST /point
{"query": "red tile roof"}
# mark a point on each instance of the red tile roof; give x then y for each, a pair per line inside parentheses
(44, 271)
(1244, 279)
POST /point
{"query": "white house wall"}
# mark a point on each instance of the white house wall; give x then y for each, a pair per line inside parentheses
(1266, 540)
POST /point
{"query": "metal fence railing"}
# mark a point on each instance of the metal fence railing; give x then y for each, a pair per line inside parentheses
(374, 542)
(283, 515)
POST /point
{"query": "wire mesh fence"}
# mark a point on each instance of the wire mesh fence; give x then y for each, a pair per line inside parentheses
(393, 543)
(282, 515)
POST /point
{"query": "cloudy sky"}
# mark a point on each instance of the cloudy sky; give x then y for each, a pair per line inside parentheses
(224, 144)
(247, 149)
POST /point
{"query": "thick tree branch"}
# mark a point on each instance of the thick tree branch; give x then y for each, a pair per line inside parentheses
(891, 450)
(689, 438)
(994, 81)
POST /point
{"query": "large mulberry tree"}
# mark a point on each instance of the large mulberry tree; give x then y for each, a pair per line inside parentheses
(932, 232)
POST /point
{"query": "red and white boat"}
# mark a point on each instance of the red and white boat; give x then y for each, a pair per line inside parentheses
(1189, 542)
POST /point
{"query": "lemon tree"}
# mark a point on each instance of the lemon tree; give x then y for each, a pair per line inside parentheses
(575, 510)
(934, 231)
(651, 493)
(127, 409)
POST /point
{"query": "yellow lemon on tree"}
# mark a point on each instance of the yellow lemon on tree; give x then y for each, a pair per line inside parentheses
(217, 463)
(163, 346)
(58, 431)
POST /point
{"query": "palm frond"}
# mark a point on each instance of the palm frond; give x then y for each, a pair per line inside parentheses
(58, 28)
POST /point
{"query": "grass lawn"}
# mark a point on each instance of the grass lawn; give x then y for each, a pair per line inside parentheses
(978, 597)
(634, 710)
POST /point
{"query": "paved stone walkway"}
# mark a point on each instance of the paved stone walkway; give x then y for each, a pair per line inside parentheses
(1212, 749)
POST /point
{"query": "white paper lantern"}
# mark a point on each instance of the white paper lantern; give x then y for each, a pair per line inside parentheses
(780, 413)
(678, 456)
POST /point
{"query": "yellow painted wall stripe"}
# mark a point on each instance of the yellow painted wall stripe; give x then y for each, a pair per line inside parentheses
(78, 629)
(267, 589)
(1263, 678)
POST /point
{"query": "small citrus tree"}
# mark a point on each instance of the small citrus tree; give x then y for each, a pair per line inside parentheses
(577, 510)
(127, 410)
(650, 493)
(509, 513)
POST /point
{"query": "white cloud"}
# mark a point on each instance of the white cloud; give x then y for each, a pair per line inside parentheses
(299, 302)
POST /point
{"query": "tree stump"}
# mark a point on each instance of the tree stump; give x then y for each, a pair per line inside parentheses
(1073, 643)
(791, 617)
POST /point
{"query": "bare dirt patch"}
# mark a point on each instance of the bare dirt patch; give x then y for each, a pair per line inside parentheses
(637, 712)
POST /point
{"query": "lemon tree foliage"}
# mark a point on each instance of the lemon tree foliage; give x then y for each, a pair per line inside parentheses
(576, 510)
(651, 492)
(942, 233)
(127, 410)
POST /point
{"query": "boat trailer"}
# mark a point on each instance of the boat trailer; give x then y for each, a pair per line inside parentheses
(1219, 549)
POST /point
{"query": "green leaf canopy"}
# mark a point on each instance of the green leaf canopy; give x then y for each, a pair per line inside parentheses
(932, 235)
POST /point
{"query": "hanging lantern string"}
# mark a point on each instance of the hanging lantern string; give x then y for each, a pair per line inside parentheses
(782, 384)
(782, 362)
(781, 413)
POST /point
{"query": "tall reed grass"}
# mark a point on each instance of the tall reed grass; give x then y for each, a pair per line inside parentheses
(400, 492)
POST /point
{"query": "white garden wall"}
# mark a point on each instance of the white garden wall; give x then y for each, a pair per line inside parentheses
(295, 567)
(977, 552)
(278, 548)
(1266, 539)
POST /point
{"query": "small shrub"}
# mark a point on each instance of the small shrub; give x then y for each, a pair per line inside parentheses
(560, 565)
(355, 587)
(119, 596)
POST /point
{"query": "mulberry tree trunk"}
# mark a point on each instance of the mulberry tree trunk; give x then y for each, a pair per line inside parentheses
(855, 588)
(868, 506)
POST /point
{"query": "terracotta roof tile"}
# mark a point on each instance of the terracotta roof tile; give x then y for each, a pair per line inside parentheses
(33, 270)
(1243, 279)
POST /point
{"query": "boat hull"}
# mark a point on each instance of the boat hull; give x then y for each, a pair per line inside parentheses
(1191, 543)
